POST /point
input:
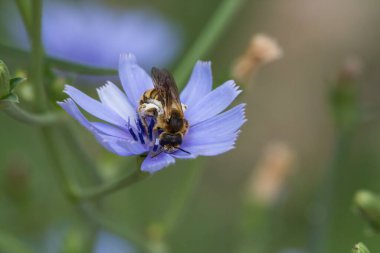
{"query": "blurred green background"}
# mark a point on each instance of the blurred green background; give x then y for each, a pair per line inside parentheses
(287, 101)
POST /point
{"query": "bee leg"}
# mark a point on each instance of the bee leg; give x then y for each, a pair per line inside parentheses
(146, 111)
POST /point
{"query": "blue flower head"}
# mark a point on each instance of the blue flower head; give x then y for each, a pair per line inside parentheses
(211, 131)
(95, 34)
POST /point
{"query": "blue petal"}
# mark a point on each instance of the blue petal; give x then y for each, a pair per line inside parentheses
(134, 79)
(157, 163)
(131, 147)
(101, 131)
(112, 97)
(110, 130)
(216, 135)
(213, 103)
(93, 106)
(183, 155)
(199, 85)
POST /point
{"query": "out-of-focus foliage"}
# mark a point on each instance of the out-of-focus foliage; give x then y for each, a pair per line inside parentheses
(288, 101)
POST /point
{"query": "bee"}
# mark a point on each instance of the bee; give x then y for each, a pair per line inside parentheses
(162, 105)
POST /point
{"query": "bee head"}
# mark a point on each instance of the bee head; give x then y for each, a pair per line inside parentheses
(170, 142)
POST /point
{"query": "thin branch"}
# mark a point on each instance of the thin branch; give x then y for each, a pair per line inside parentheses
(18, 113)
(110, 187)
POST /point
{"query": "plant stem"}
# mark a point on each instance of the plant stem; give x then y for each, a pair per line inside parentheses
(80, 68)
(176, 210)
(37, 56)
(24, 9)
(208, 37)
(321, 225)
(62, 64)
(98, 218)
(54, 154)
(18, 113)
(78, 150)
(107, 188)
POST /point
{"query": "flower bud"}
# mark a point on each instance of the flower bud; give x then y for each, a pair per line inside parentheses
(4, 80)
(369, 206)
(344, 96)
(360, 248)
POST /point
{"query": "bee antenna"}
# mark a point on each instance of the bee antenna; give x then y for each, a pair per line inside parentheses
(184, 151)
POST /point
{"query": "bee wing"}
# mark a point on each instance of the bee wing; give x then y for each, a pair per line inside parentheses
(165, 85)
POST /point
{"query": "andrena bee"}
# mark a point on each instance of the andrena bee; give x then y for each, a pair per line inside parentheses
(162, 104)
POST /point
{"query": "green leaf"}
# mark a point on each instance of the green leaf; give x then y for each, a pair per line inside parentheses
(14, 82)
(10, 98)
(360, 248)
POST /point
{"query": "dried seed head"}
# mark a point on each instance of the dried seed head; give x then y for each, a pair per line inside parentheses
(261, 50)
(271, 173)
(351, 70)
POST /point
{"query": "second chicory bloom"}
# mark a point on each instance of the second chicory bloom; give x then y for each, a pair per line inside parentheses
(211, 131)
(95, 34)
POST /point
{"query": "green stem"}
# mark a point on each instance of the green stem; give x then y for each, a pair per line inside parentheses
(321, 226)
(176, 210)
(80, 68)
(24, 10)
(37, 56)
(18, 113)
(62, 64)
(54, 154)
(108, 188)
(208, 37)
(79, 151)
(102, 221)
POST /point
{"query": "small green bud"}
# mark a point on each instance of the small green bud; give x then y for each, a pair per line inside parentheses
(369, 206)
(4, 80)
(360, 248)
(344, 96)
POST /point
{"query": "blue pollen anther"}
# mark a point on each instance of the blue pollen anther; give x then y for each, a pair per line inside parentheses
(141, 138)
(130, 129)
(141, 126)
(150, 129)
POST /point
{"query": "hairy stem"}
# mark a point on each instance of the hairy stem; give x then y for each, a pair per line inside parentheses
(18, 113)
(110, 187)
(37, 57)
(178, 206)
(321, 225)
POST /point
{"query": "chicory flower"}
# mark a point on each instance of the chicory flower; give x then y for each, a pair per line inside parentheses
(95, 34)
(211, 131)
